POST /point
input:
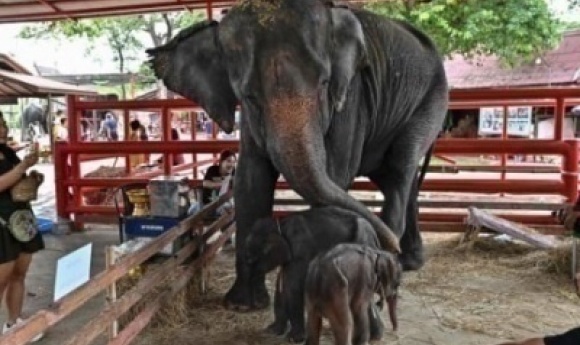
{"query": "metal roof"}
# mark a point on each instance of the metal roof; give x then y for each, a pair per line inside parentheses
(8, 63)
(23, 85)
(13, 11)
(560, 66)
(17, 11)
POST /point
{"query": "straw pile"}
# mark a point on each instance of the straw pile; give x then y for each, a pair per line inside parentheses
(494, 292)
(171, 314)
(499, 288)
(102, 196)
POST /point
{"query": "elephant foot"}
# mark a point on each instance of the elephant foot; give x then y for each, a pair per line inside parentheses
(261, 296)
(412, 261)
(296, 337)
(277, 328)
(377, 328)
(242, 297)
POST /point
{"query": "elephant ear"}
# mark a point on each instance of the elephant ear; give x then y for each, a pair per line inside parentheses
(192, 65)
(348, 52)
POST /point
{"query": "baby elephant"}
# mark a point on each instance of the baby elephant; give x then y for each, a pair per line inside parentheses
(292, 243)
(340, 286)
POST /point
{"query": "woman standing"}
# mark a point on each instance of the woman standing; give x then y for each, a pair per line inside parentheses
(15, 255)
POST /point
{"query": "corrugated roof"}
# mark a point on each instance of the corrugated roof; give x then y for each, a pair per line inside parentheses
(558, 67)
(35, 10)
(13, 11)
(9, 64)
(22, 85)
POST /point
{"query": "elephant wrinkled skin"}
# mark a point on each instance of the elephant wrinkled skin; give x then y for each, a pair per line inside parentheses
(292, 243)
(327, 94)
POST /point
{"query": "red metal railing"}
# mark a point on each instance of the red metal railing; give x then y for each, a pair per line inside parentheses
(69, 155)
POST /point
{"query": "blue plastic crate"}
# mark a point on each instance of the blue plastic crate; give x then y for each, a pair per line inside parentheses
(148, 226)
(44, 225)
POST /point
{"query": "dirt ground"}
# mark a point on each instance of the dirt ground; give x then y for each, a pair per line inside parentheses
(495, 292)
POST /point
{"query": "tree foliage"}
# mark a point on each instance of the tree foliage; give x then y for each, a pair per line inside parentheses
(514, 30)
(125, 35)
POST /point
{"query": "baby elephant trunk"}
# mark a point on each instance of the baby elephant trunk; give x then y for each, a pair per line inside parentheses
(392, 304)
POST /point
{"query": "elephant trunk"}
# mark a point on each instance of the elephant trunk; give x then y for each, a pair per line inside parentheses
(296, 145)
(392, 305)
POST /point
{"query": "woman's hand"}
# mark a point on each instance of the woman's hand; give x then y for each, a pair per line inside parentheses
(30, 160)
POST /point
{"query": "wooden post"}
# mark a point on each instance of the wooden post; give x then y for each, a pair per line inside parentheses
(111, 257)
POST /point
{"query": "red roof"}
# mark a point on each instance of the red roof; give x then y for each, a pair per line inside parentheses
(558, 67)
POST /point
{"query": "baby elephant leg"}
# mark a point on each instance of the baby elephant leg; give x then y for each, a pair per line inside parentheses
(293, 292)
(280, 324)
(340, 318)
(360, 316)
(313, 326)
(377, 327)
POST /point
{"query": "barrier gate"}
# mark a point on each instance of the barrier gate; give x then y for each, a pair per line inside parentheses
(552, 186)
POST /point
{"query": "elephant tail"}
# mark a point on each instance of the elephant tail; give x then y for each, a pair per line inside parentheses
(425, 166)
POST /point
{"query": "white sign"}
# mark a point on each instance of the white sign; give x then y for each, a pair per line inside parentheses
(72, 271)
(519, 121)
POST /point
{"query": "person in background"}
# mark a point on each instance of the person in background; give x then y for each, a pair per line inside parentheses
(15, 256)
(178, 158)
(62, 130)
(109, 127)
(213, 181)
(138, 133)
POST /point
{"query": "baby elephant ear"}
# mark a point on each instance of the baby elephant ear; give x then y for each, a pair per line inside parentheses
(348, 52)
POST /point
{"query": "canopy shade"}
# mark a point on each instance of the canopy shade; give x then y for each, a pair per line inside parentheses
(23, 85)
(12, 11)
(16, 11)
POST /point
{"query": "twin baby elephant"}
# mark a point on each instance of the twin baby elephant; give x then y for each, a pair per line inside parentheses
(331, 265)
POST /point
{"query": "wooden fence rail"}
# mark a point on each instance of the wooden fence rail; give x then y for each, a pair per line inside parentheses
(45, 319)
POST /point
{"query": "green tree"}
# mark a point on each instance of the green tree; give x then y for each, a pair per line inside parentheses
(516, 31)
(124, 34)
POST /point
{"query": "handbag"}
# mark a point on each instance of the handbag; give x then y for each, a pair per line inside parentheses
(21, 224)
(26, 189)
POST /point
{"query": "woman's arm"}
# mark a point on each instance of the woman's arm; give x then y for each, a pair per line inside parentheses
(211, 184)
(208, 182)
(9, 179)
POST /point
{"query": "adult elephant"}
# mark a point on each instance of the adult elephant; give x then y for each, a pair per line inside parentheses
(327, 94)
(34, 114)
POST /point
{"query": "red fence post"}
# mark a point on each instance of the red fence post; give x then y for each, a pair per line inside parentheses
(559, 118)
(59, 177)
(570, 171)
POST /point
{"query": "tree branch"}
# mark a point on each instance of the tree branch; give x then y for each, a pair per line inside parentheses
(169, 27)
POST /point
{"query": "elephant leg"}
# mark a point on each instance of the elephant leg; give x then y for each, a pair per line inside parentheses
(398, 172)
(412, 257)
(395, 180)
(254, 195)
(360, 318)
(340, 318)
(280, 323)
(293, 286)
(376, 325)
(314, 326)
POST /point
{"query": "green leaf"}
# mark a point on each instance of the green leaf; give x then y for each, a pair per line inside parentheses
(514, 30)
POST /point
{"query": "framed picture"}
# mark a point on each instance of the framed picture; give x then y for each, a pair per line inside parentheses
(519, 121)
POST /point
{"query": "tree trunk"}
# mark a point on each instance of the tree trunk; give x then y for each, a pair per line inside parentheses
(122, 71)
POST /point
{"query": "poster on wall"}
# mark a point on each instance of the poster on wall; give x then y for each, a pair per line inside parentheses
(519, 121)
